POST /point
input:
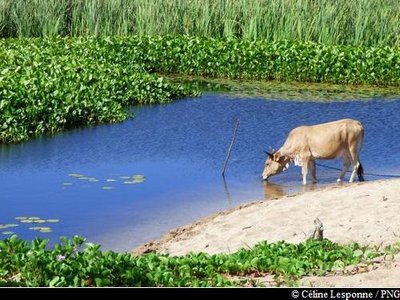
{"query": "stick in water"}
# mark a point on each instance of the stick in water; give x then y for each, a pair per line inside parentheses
(230, 147)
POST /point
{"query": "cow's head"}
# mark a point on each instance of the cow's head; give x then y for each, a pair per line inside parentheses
(275, 163)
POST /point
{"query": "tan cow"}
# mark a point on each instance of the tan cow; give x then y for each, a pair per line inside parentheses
(305, 144)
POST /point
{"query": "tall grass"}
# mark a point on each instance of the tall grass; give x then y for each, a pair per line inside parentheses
(360, 22)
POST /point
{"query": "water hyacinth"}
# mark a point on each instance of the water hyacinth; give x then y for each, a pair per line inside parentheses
(48, 85)
(93, 267)
(54, 84)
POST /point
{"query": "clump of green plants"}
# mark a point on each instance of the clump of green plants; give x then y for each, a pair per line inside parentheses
(76, 263)
(50, 85)
(47, 85)
(281, 60)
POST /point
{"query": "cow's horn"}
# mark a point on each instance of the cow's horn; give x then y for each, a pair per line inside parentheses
(266, 152)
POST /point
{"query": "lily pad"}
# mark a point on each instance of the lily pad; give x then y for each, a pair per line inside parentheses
(41, 229)
(129, 182)
(21, 218)
(39, 221)
(93, 180)
(52, 220)
(27, 221)
(3, 226)
(34, 218)
(107, 187)
(11, 225)
(75, 175)
(84, 178)
(35, 228)
(137, 180)
(124, 177)
(67, 183)
(111, 180)
(8, 232)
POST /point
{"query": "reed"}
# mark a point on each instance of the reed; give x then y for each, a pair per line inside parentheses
(358, 22)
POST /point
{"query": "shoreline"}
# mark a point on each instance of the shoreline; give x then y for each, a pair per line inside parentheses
(363, 212)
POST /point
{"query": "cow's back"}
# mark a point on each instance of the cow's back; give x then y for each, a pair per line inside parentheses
(327, 140)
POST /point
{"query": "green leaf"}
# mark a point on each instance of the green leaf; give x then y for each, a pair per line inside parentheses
(54, 281)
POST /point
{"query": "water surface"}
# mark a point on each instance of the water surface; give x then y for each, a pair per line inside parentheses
(180, 149)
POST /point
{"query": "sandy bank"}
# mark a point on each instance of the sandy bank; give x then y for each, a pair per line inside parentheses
(365, 212)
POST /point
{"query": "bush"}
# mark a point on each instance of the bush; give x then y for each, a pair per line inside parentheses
(50, 85)
(73, 263)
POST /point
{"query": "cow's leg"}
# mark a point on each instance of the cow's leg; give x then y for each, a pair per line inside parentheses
(313, 170)
(355, 169)
(304, 168)
(346, 165)
(354, 162)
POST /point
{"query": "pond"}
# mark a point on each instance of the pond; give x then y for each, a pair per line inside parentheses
(125, 184)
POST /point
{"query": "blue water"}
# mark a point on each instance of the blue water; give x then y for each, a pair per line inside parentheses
(180, 149)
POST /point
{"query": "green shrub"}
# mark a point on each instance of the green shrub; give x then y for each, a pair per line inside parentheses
(74, 264)
(284, 60)
(50, 85)
(47, 85)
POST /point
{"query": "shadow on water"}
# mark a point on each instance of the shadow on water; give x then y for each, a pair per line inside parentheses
(124, 184)
(273, 191)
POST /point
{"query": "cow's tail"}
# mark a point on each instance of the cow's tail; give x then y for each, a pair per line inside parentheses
(360, 169)
(360, 172)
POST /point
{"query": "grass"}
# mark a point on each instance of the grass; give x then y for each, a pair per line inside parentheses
(361, 22)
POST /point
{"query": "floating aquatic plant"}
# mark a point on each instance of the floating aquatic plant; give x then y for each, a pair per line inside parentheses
(4, 226)
(39, 221)
(27, 221)
(41, 229)
(75, 175)
(8, 232)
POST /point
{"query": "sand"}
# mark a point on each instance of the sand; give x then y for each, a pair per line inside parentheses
(367, 213)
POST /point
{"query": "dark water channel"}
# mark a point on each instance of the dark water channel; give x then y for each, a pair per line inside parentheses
(179, 148)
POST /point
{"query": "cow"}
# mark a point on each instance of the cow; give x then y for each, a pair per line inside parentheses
(304, 144)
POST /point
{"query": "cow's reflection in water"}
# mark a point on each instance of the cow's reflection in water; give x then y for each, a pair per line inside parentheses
(308, 188)
(273, 191)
